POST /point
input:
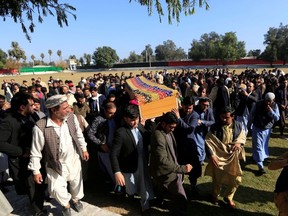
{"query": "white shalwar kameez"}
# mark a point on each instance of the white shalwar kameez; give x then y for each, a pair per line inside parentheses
(69, 159)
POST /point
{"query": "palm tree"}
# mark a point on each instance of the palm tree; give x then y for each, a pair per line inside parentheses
(50, 54)
(33, 58)
(59, 53)
(42, 57)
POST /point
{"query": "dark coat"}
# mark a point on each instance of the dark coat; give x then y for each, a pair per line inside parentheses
(162, 165)
(15, 140)
(248, 101)
(124, 154)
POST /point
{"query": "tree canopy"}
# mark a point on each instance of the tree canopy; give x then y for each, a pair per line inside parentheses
(225, 47)
(26, 12)
(105, 57)
(169, 51)
(174, 7)
(276, 42)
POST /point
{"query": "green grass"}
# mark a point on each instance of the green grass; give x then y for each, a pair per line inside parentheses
(255, 194)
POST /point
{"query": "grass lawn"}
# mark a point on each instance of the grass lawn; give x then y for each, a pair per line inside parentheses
(255, 194)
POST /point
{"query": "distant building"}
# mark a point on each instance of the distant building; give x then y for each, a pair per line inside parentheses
(72, 64)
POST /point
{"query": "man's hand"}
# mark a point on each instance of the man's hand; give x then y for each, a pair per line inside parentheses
(119, 179)
(176, 112)
(38, 178)
(105, 148)
(188, 167)
(214, 160)
(236, 146)
(85, 155)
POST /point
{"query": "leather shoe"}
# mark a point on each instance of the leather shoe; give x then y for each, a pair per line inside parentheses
(230, 203)
(66, 211)
(261, 171)
(146, 212)
(78, 206)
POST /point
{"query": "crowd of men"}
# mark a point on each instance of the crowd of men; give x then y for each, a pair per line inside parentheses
(48, 132)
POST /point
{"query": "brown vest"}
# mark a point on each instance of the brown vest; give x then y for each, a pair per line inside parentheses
(52, 143)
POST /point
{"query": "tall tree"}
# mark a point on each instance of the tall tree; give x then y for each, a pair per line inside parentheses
(59, 53)
(169, 51)
(147, 53)
(277, 44)
(254, 53)
(133, 57)
(196, 53)
(42, 57)
(231, 48)
(88, 58)
(270, 39)
(33, 59)
(50, 54)
(81, 60)
(225, 47)
(3, 58)
(16, 52)
(105, 57)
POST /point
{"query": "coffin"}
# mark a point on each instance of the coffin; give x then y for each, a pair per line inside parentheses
(153, 99)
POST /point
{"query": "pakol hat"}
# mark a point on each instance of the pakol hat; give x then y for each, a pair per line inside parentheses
(55, 100)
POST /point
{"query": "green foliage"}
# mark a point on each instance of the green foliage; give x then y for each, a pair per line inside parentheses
(213, 46)
(254, 195)
(3, 58)
(21, 10)
(105, 57)
(133, 58)
(50, 54)
(174, 7)
(254, 53)
(277, 44)
(169, 51)
(59, 53)
(147, 53)
(88, 58)
(16, 52)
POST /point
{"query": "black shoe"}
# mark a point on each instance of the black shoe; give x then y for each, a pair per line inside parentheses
(158, 202)
(66, 211)
(43, 212)
(261, 171)
(146, 212)
(78, 206)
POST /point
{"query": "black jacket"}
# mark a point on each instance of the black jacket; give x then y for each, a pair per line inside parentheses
(124, 154)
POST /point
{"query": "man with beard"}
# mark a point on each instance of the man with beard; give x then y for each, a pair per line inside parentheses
(81, 107)
(225, 142)
(59, 140)
(15, 141)
(264, 114)
(166, 172)
(184, 134)
(248, 99)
